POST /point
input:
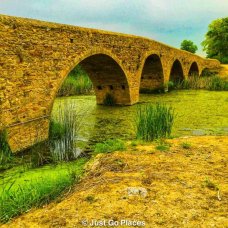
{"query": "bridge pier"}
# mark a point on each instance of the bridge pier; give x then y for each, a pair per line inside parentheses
(24, 135)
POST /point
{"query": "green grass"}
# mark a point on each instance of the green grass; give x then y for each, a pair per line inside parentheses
(186, 145)
(163, 145)
(209, 184)
(108, 146)
(20, 191)
(154, 121)
(77, 82)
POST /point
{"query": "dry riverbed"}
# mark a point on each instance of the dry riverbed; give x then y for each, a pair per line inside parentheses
(186, 185)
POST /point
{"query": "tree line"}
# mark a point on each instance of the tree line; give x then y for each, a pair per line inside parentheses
(215, 43)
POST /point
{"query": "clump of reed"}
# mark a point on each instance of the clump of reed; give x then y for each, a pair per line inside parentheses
(210, 82)
(77, 82)
(154, 121)
(63, 132)
(218, 84)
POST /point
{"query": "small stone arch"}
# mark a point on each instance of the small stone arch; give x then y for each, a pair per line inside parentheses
(152, 75)
(193, 70)
(176, 72)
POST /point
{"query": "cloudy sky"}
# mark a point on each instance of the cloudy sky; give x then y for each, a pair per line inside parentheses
(168, 21)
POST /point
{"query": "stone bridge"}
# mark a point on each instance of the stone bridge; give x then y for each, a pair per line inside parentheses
(36, 57)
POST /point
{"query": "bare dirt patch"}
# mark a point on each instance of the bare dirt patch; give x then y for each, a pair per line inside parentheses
(185, 186)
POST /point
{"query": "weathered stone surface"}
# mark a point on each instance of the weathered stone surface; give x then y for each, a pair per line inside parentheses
(136, 191)
(36, 57)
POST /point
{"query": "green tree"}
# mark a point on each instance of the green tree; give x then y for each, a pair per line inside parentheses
(216, 40)
(188, 45)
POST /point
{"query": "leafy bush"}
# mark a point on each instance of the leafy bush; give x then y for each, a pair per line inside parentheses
(154, 121)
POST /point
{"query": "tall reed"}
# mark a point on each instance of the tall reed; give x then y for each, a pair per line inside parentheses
(64, 131)
(154, 121)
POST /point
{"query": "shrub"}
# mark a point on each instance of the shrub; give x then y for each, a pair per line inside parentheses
(154, 121)
(209, 184)
(5, 151)
(217, 83)
(108, 146)
(186, 145)
(109, 100)
(170, 85)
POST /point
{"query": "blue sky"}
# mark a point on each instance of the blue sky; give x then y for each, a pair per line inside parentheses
(168, 21)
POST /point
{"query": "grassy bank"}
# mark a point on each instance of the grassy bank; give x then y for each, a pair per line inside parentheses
(21, 189)
(77, 82)
(43, 172)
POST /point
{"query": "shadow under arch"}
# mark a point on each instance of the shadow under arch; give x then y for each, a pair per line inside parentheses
(194, 70)
(152, 76)
(97, 63)
(207, 72)
(176, 72)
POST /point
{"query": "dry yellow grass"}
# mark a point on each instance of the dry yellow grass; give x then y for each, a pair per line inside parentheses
(182, 186)
(223, 72)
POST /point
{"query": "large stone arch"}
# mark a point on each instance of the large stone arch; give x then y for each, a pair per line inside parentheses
(152, 75)
(194, 69)
(108, 83)
(176, 72)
